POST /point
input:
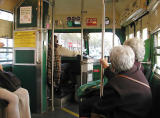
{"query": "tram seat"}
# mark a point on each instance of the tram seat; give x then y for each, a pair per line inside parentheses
(148, 72)
(3, 104)
(155, 87)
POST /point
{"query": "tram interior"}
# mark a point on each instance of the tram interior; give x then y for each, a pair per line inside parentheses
(123, 19)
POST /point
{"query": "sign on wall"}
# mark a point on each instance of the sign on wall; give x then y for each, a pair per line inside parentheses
(91, 21)
(74, 21)
(25, 15)
(25, 39)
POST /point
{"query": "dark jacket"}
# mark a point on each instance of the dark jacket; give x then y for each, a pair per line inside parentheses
(139, 65)
(124, 98)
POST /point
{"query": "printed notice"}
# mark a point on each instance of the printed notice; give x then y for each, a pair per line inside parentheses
(25, 39)
(25, 15)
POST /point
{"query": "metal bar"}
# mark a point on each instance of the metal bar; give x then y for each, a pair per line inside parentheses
(5, 52)
(158, 47)
(114, 19)
(102, 55)
(148, 62)
(6, 47)
(141, 29)
(6, 60)
(38, 61)
(52, 82)
(82, 8)
(41, 51)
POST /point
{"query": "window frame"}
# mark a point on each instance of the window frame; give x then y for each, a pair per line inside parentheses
(157, 51)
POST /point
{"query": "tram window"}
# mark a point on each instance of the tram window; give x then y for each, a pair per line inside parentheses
(131, 35)
(6, 52)
(138, 34)
(6, 15)
(145, 34)
(72, 41)
(126, 37)
(157, 49)
(95, 44)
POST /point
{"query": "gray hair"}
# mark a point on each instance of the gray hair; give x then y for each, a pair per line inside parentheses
(122, 58)
(138, 47)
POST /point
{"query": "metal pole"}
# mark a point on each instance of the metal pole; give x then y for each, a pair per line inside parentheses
(102, 55)
(82, 7)
(114, 20)
(52, 82)
(41, 49)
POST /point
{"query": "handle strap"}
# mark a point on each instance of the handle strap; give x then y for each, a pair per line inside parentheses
(124, 76)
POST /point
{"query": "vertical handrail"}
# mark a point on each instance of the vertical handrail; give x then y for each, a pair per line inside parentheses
(102, 55)
(82, 8)
(41, 49)
(114, 21)
(52, 82)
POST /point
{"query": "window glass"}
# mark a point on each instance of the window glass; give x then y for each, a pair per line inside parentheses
(6, 52)
(95, 40)
(157, 50)
(72, 41)
(138, 34)
(6, 16)
(158, 40)
(145, 34)
(131, 35)
(126, 37)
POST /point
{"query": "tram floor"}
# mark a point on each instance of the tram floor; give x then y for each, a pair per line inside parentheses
(68, 111)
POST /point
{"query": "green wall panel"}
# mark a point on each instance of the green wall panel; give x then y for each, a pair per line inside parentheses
(147, 50)
(24, 56)
(27, 75)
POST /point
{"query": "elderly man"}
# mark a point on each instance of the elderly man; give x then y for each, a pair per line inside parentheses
(126, 95)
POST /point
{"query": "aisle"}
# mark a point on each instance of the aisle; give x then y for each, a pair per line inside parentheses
(69, 111)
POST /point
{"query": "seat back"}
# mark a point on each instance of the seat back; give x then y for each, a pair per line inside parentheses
(3, 104)
(155, 88)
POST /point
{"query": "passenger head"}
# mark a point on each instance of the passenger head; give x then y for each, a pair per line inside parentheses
(122, 58)
(1, 44)
(138, 47)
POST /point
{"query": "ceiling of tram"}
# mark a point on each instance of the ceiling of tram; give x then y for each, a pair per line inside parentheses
(93, 6)
(73, 6)
(8, 5)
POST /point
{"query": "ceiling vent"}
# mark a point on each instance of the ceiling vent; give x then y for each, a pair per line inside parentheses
(153, 5)
(135, 10)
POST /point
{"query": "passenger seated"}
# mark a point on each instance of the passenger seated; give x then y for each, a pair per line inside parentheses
(18, 101)
(126, 95)
(139, 49)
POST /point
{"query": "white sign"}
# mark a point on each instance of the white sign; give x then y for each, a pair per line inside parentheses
(25, 15)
